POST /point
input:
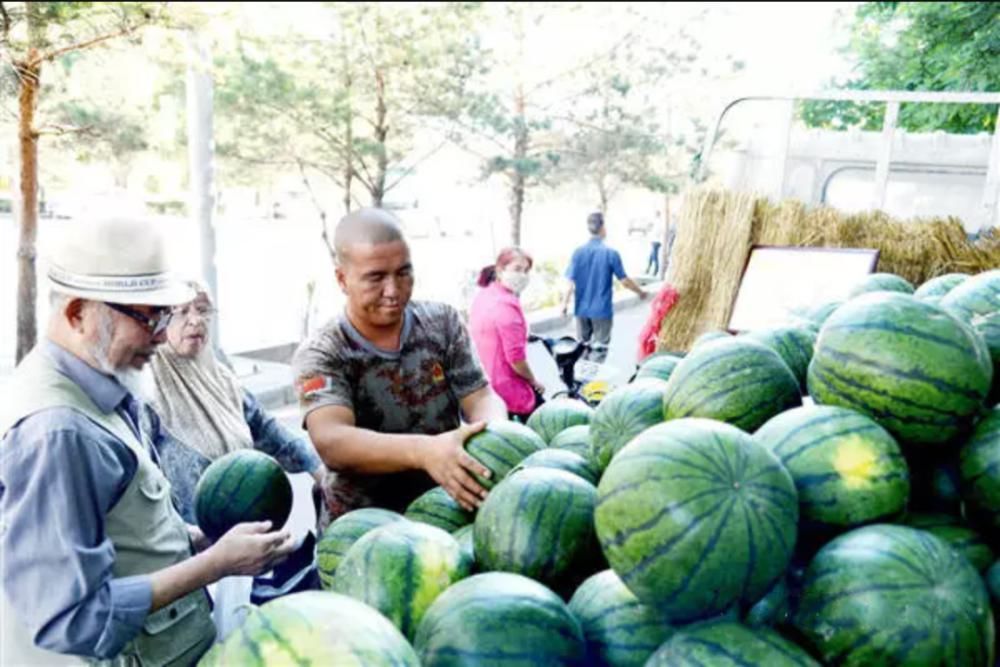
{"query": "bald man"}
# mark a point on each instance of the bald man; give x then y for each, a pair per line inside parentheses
(384, 386)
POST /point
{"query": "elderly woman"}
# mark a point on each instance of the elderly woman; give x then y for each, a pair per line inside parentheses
(500, 332)
(202, 405)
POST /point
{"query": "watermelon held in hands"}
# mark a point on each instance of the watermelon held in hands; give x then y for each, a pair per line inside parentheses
(910, 365)
(695, 517)
(340, 535)
(895, 595)
(555, 416)
(725, 643)
(314, 628)
(500, 447)
(623, 414)
(437, 508)
(620, 631)
(400, 568)
(737, 381)
(847, 469)
(539, 522)
(499, 619)
(245, 485)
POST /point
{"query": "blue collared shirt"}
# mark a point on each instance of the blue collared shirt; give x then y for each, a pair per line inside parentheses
(60, 475)
(591, 268)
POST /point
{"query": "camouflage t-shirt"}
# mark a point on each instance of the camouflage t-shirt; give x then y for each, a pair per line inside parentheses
(414, 390)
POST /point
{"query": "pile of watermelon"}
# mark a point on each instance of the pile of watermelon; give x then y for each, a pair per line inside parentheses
(825, 492)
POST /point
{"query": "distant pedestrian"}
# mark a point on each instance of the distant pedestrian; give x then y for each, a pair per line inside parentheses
(590, 272)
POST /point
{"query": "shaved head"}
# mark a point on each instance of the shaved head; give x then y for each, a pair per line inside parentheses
(366, 226)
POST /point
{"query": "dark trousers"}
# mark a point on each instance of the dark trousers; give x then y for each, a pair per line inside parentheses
(654, 259)
(598, 333)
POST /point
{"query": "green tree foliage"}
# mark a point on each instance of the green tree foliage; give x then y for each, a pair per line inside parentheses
(920, 46)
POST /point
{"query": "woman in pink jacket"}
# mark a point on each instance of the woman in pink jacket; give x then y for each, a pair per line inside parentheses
(500, 332)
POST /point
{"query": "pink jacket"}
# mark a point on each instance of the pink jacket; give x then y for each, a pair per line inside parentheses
(500, 334)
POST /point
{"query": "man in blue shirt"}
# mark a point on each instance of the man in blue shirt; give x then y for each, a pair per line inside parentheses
(590, 271)
(97, 562)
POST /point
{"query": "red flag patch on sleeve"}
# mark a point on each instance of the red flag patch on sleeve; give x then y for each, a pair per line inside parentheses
(313, 385)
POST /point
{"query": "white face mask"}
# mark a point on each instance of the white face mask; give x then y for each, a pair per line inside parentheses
(515, 281)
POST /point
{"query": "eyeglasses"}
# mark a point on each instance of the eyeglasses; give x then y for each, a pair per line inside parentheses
(188, 312)
(154, 323)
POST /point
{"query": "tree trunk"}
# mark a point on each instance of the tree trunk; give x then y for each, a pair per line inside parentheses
(28, 72)
(602, 191)
(517, 177)
(381, 132)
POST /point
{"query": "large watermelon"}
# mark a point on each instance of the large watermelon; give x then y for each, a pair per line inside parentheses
(539, 523)
(993, 581)
(979, 470)
(574, 439)
(729, 644)
(979, 295)
(623, 414)
(557, 415)
(400, 568)
(561, 459)
(620, 631)
(848, 470)
(245, 485)
(957, 535)
(437, 508)
(934, 289)
(793, 344)
(344, 532)
(314, 628)
(910, 365)
(499, 620)
(892, 595)
(466, 540)
(709, 337)
(819, 314)
(659, 366)
(694, 516)
(882, 282)
(988, 326)
(737, 381)
(500, 447)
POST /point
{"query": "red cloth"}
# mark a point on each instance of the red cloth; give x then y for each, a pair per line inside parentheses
(664, 300)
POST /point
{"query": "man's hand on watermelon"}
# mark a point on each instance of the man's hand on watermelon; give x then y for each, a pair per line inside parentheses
(199, 541)
(251, 548)
(447, 462)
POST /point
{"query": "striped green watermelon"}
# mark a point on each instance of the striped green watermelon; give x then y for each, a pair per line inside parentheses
(245, 485)
(934, 485)
(500, 447)
(694, 516)
(561, 459)
(893, 595)
(620, 631)
(882, 282)
(958, 536)
(979, 295)
(557, 415)
(988, 326)
(574, 439)
(314, 628)
(993, 581)
(979, 470)
(659, 366)
(400, 568)
(729, 644)
(774, 609)
(499, 619)
(466, 540)
(623, 414)
(437, 508)
(539, 523)
(709, 337)
(934, 289)
(344, 532)
(910, 365)
(793, 344)
(819, 314)
(737, 381)
(847, 469)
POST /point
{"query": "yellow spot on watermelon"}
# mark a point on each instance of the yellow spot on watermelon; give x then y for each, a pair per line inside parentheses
(856, 462)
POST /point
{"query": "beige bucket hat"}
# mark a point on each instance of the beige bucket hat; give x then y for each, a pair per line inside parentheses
(118, 261)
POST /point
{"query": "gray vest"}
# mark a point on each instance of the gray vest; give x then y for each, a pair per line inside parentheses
(147, 533)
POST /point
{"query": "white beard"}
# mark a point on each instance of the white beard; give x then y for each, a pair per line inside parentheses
(141, 382)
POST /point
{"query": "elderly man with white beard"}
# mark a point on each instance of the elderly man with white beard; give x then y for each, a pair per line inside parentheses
(97, 562)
